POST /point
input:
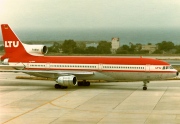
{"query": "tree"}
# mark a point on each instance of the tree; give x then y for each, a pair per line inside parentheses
(138, 47)
(80, 48)
(91, 50)
(165, 46)
(123, 50)
(56, 47)
(177, 48)
(125, 47)
(1, 48)
(157, 52)
(104, 47)
(69, 46)
(132, 48)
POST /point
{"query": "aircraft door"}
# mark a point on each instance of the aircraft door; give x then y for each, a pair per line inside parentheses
(47, 66)
(100, 66)
(28, 65)
(147, 68)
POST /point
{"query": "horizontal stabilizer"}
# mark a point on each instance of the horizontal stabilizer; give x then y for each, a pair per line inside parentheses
(19, 67)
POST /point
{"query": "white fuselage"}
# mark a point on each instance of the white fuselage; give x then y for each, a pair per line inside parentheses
(104, 71)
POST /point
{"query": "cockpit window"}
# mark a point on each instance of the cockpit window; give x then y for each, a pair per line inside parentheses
(171, 67)
(167, 67)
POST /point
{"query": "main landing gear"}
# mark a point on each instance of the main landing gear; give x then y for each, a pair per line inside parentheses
(84, 83)
(80, 83)
(57, 86)
(145, 85)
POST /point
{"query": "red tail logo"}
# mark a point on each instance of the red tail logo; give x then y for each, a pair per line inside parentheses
(13, 46)
(11, 43)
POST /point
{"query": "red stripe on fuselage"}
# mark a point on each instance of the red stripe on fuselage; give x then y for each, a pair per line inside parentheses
(87, 60)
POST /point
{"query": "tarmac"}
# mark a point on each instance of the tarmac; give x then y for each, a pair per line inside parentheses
(37, 102)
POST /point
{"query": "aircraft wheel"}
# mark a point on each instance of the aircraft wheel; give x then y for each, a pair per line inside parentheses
(57, 86)
(144, 88)
(85, 84)
(80, 83)
(88, 83)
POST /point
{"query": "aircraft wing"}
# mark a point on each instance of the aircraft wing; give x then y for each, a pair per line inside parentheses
(51, 72)
(9, 66)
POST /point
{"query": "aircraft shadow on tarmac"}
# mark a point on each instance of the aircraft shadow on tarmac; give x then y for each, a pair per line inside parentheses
(48, 85)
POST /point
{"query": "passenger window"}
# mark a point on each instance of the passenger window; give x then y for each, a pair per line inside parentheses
(164, 67)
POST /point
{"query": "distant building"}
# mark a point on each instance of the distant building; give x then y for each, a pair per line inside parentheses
(150, 48)
(115, 44)
(92, 45)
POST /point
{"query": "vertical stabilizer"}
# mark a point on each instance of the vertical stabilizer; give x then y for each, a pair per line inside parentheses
(12, 45)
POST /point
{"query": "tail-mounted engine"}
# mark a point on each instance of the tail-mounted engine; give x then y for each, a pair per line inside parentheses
(36, 49)
(67, 80)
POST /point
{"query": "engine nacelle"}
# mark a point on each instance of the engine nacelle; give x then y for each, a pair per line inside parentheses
(5, 61)
(67, 80)
(36, 49)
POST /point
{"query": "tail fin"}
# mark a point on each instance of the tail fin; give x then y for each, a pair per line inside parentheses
(12, 45)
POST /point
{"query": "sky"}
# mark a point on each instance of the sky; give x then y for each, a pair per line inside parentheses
(90, 14)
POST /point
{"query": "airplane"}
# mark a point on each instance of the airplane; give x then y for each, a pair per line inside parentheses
(78, 70)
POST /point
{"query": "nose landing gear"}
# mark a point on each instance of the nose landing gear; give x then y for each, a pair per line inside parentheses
(145, 85)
